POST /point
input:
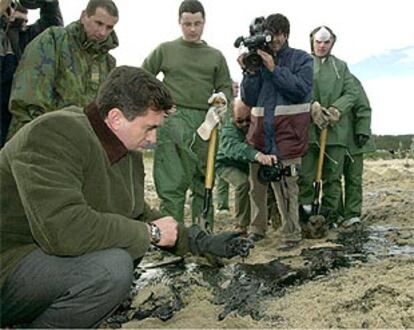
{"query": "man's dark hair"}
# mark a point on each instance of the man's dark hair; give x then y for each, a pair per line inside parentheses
(277, 23)
(191, 6)
(108, 5)
(132, 90)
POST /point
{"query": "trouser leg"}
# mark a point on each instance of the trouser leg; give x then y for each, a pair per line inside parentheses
(331, 178)
(222, 197)
(179, 163)
(273, 215)
(258, 199)
(287, 191)
(307, 175)
(47, 291)
(353, 170)
(240, 181)
(169, 180)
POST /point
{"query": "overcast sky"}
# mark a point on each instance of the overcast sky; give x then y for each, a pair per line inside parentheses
(376, 39)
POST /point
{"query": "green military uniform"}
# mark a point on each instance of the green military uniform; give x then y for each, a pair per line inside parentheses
(359, 122)
(333, 86)
(232, 164)
(59, 68)
(222, 194)
(81, 192)
(192, 72)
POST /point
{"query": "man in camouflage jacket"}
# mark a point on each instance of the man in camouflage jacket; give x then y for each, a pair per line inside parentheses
(65, 66)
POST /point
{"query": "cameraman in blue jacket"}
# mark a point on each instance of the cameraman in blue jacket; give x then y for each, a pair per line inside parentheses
(279, 92)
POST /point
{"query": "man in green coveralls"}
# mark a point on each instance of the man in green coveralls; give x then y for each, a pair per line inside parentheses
(334, 96)
(74, 221)
(359, 142)
(65, 65)
(193, 71)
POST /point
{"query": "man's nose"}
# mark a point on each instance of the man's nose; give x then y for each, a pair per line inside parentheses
(103, 32)
(152, 137)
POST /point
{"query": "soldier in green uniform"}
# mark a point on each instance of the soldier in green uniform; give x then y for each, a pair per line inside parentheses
(359, 142)
(334, 96)
(65, 66)
(193, 71)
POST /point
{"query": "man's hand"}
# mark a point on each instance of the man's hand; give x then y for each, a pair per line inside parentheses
(168, 230)
(240, 60)
(268, 61)
(265, 159)
(223, 245)
(361, 140)
(319, 115)
(334, 115)
(214, 116)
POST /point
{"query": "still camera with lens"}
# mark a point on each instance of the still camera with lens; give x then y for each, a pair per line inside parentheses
(259, 39)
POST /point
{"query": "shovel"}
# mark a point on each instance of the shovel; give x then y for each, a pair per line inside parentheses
(316, 224)
(209, 183)
(316, 204)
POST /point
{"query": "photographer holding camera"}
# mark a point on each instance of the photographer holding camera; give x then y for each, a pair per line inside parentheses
(15, 35)
(279, 91)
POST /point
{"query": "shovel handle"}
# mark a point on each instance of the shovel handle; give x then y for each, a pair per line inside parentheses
(322, 142)
(211, 155)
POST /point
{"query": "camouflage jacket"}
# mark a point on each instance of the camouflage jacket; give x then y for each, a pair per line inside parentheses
(59, 68)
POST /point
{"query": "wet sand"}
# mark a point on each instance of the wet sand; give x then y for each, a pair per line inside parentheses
(377, 292)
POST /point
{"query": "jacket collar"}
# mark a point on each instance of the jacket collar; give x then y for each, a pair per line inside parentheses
(284, 47)
(76, 29)
(113, 147)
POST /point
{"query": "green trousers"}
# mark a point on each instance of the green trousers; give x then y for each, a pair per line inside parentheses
(240, 181)
(222, 194)
(351, 203)
(331, 178)
(180, 160)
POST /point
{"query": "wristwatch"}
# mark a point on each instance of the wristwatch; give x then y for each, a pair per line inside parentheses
(155, 233)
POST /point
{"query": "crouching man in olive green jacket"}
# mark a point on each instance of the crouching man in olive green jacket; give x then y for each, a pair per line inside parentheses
(73, 216)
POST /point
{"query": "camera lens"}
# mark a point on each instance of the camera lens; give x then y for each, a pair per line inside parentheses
(253, 61)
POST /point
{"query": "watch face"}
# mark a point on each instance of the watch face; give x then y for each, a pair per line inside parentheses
(155, 234)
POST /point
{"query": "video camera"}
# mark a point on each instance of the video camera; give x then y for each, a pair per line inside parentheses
(259, 39)
(274, 173)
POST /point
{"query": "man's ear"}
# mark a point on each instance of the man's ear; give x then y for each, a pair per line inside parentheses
(115, 118)
(83, 16)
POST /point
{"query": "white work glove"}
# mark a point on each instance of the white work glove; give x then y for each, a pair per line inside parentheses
(214, 116)
(319, 115)
(334, 115)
